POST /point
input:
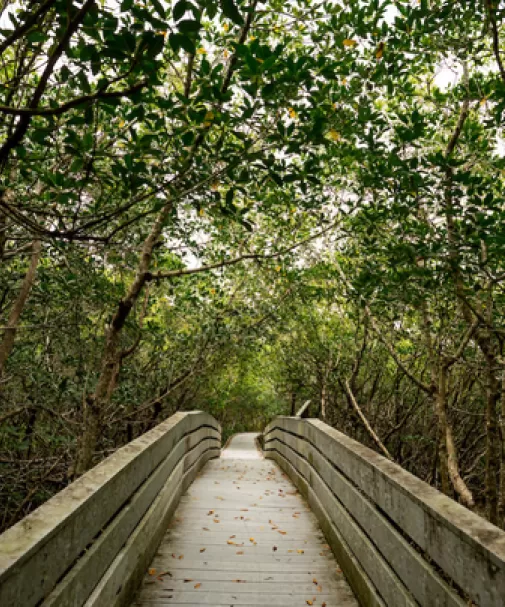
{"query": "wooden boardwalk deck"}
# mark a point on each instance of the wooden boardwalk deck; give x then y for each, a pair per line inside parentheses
(242, 535)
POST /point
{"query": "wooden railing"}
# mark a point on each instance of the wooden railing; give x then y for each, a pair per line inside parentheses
(398, 540)
(91, 543)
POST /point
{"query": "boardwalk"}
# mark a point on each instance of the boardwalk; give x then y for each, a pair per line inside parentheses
(242, 535)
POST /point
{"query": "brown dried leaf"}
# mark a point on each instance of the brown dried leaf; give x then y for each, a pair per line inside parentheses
(164, 573)
(203, 549)
(152, 571)
(197, 585)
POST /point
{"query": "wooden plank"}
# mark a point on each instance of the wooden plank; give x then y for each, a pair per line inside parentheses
(84, 576)
(200, 597)
(422, 580)
(438, 525)
(361, 584)
(121, 579)
(275, 568)
(373, 574)
(44, 544)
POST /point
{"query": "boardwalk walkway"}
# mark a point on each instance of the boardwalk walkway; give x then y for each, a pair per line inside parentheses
(242, 535)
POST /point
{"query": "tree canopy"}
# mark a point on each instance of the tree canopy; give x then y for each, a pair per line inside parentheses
(241, 205)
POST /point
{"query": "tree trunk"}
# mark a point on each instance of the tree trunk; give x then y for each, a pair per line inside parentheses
(502, 465)
(324, 399)
(293, 403)
(111, 360)
(447, 447)
(492, 445)
(7, 342)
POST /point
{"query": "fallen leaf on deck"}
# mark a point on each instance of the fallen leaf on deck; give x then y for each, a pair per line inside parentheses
(319, 589)
(240, 552)
(188, 580)
(181, 556)
(314, 581)
(282, 532)
(309, 602)
(164, 573)
(203, 549)
(300, 551)
(152, 572)
(197, 585)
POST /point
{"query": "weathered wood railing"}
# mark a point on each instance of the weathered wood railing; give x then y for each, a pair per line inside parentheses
(91, 543)
(398, 540)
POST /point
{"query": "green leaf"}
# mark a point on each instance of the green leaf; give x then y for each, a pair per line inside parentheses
(159, 8)
(231, 11)
(178, 41)
(36, 37)
(189, 26)
(179, 9)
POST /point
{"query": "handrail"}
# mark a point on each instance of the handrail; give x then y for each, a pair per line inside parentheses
(398, 540)
(77, 547)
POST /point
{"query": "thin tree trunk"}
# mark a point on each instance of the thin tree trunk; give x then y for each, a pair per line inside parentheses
(492, 445)
(447, 447)
(324, 398)
(365, 422)
(95, 403)
(293, 403)
(9, 336)
(501, 507)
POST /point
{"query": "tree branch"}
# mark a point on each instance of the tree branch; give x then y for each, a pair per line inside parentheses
(32, 20)
(56, 111)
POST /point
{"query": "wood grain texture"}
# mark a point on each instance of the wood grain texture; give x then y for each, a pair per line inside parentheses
(243, 535)
(439, 526)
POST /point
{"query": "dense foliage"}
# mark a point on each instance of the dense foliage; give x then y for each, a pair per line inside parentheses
(241, 205)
